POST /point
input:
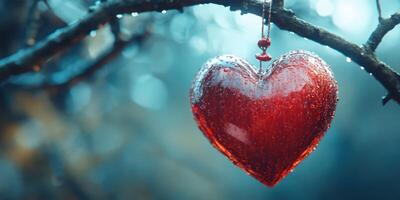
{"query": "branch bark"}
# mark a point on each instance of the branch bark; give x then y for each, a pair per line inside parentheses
(384, 26)
(26, 60)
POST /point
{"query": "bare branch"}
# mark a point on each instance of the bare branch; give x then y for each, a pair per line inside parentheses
(92, 67)
(24, 61)
(384, 26)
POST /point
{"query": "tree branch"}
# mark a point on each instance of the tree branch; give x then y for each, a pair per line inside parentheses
(384, 26)
(92, 67)
(25, 60)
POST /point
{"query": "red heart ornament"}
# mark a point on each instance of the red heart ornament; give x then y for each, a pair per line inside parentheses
(265, 123)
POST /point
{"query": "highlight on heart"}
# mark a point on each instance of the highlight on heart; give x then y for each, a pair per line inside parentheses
(199, 99)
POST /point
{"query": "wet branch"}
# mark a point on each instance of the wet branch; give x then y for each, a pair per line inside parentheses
(385, 25)
(25, 60)
(91, 68)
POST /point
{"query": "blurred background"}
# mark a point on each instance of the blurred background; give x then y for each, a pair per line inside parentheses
(127, 131)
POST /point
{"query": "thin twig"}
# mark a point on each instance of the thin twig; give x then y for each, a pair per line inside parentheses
(378, 7)
(24, 60)
(32, 23)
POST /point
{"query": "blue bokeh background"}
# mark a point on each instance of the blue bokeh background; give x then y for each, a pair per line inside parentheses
(128, 132)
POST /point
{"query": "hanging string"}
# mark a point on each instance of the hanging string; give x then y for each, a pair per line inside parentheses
(263, 19)
(265, 42)
(269, 17)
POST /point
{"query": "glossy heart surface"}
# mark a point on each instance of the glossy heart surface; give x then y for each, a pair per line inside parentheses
(265, 123)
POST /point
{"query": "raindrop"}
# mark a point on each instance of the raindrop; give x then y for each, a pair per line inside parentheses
(348, 59)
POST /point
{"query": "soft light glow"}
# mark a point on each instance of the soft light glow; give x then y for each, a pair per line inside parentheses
(198, 44)
(353, 16)
(149, 92)
(80, 96)
(324, 7)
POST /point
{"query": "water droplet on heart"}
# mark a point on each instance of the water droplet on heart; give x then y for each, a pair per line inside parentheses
(119, 16)
(362, 68)
(164, 11)
(348, 59)
(370, 74)
(362, 53)
(134, 14)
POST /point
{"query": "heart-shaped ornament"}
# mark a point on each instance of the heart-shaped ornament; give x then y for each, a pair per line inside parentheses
(265, 123)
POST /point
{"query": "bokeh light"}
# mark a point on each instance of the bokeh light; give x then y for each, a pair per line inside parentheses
(149, 92)
(353, 16)
(324, 7)
(127, 131)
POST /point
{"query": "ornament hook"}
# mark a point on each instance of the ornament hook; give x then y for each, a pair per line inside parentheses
(265, 42)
